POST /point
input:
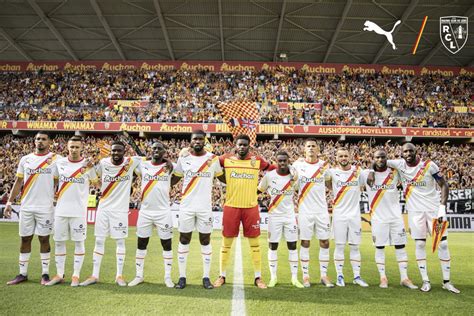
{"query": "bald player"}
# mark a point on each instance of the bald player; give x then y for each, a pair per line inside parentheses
(423, 204)
(388, 228)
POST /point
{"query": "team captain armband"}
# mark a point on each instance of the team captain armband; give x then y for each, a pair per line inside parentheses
(437, 176)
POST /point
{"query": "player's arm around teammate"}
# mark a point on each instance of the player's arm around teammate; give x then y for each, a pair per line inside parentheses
(423, 204)
(388, 227)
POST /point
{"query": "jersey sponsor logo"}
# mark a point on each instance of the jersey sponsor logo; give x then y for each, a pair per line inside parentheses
(30, 171)
(377, 187)
(311, 180)
(341, 184)
(415, 183)
(200, 174)
(71, 179)
(149, 177)
(275, 191)
(108, 178)
(237, 175)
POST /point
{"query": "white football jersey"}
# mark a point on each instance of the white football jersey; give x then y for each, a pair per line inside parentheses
(198, 174)
(73, 189)
(346, 192)
(384, 199)
(281, 192)
(311, 186)
(116, 183)
(419, 185)
(155, 186)
(38, 173)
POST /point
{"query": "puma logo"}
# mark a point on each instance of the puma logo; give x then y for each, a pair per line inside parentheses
(372, 27)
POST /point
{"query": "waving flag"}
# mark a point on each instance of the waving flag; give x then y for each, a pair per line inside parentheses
(242, 117)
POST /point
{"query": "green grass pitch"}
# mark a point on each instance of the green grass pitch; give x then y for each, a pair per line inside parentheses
(154, 297)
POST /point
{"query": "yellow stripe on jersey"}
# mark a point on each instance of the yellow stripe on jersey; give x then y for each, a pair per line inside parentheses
(192, 184)
(417, 177)
(378, 197)
(152, 183)
(241, 182)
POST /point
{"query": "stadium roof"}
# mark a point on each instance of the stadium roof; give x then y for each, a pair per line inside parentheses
(244, 30)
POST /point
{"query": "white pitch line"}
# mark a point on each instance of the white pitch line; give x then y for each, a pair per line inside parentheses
(238, 294)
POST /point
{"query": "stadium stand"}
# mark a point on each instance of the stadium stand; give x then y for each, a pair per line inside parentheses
(346, 99)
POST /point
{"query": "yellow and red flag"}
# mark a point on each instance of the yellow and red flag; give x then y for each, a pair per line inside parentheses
(242, 117)
(438, 232)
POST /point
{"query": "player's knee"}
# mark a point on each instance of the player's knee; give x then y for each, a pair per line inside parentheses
(324, 243)
(381, 247)
(273, 245)
(100, 242)
(60, 246)
(43, 239)
(305, 243)
(399, 246)
(166, 244)
(354, 247)
(185, 238)
(142, 243)
(291, 245)
(443, 245)
(120, 245)
(80, 247)
(26, 239)
(205, 239)
(420, 243)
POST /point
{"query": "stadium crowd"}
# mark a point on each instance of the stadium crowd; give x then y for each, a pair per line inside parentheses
(456, 161)
(191, 96)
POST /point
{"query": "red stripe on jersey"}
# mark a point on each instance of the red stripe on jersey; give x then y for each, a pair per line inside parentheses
(73, 175)
(379, 191)
(416, 177)
(307, 185)
(341, 191)
(117, 175)
(151, 181)
(279, 196)
(185, 191)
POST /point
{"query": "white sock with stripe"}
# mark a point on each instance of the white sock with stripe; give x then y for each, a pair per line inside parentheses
(79, 252)
(273, 263)
(120, 253)
(60, 257)
(206, 252)
(323, 261)
(304, 258)
(339, 259)
(402, 259)
(355, 260)
(99, 249)
(168, 261)
(445, 259)
(45, 258)
(23, 262)
(183, 251)
(293, 258)
(420, 253)
(380, 261)
(140, 262)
